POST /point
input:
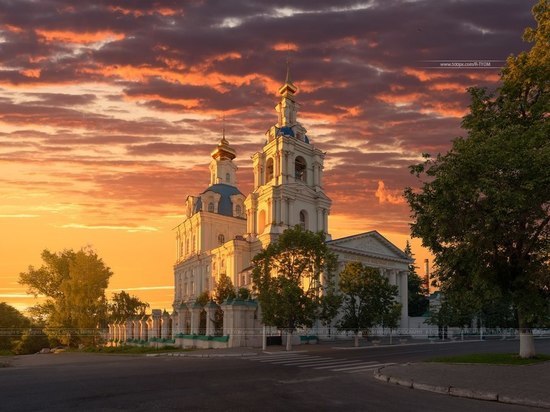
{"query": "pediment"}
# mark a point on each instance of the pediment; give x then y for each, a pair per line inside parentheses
(370, 243)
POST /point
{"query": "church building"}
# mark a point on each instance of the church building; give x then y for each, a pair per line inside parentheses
(224, 229)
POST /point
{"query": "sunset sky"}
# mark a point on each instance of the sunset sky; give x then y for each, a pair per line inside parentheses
(109, 111)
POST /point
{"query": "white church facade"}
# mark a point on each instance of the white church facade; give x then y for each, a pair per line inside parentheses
(224, 229)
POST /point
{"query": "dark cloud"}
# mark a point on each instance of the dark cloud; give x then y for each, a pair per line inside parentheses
(60, 99)
(367, 98)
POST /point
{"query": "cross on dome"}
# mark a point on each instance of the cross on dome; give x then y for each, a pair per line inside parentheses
(288, 89)
(224, 150)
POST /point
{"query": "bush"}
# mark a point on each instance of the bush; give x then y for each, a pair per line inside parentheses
(31, 344)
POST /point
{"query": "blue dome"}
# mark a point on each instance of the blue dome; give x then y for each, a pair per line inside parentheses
(285, 131)
(225, 206)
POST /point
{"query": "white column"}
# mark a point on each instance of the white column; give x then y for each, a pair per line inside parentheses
(319, 219)
(314, 168)
(392, 277)
(325, 221)
(291, 218)
(284, 210)
(277, 167)
(404, 295)
(277, 210)
(210, 314)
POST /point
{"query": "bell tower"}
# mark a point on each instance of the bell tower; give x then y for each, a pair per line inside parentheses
(288, 172)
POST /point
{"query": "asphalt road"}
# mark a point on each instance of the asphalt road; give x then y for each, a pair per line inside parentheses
(85, 382)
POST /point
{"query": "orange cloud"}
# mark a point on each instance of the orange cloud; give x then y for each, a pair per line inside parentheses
(424, 75)
(285, 47)
(163, 11)
(197, 77)
(384, 195)
(79, 38)
(35, 73)
(443, 110)
(187, 103)
(457, 87)
(351, 111)
(12, 28)
(405, 98)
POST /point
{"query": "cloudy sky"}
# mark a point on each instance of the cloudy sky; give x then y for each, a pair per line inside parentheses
(109, 111)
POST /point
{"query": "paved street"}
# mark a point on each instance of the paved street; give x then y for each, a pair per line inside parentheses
(312, 378)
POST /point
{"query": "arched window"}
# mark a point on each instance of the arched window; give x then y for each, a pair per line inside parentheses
(303, 219)
(211, 207)
(238, 210)
(221, 239)
(228, 178)
(269, 170)
(300, 167)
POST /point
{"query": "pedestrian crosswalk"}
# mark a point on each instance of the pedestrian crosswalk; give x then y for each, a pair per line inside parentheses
(301, 360)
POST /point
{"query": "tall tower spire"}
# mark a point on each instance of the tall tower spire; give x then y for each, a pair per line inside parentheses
(222, 168)
(288, 89)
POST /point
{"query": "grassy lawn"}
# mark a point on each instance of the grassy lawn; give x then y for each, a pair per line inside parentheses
(491, 359)
(131, 349)
(6, 352)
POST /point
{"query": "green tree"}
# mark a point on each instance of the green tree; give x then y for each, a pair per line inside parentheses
(202, 299)
(291, 279)
(368, 299)
(458, 307)
(224, 289)
(243, 293)
(484, 209)
(123, 306)
(12, 326)
(330, 306)
(417, 288)
(74, 284)
(32, 342)
(390, 318)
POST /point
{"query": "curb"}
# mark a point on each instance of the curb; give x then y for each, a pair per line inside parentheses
(459, 392)
(396, 345)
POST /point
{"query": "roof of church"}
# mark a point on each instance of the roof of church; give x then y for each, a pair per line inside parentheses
(225, 206)
(399, 254)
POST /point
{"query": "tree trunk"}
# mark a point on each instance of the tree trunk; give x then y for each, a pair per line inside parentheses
(289, 340)
(356, 344)
(526, 339)
(526, 344)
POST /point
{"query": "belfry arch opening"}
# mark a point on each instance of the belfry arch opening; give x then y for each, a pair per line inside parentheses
(300, 168)
(269, 170)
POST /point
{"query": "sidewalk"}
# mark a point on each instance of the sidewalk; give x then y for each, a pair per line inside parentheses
(527, 385)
